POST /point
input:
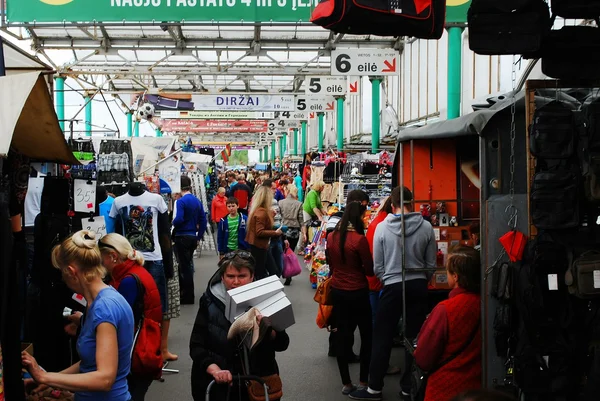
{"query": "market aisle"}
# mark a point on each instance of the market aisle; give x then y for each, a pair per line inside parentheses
(307, 372)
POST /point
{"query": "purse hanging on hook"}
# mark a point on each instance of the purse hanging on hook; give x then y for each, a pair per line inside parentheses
(513, 241)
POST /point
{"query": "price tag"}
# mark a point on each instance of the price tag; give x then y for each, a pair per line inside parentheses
(553, 282)
(84, 196)
(98, 226)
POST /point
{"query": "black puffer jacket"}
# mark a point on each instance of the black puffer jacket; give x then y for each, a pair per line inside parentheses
(208, 345)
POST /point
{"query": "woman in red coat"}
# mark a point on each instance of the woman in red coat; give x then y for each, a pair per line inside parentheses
(449, 343)
(122, 262)
(218, 207)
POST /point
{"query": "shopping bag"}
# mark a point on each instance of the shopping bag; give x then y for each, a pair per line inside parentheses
(323, 316)
(291, 265)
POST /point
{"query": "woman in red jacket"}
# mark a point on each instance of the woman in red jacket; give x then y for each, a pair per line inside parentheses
(449, 343)
(122, 262)
(350, 262)
(218, 206)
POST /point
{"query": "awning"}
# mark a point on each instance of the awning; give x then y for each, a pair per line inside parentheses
(469, 124)
(28, 121)
(18, 61)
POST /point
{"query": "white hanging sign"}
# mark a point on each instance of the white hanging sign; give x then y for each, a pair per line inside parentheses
(84, 196)
(95, 224)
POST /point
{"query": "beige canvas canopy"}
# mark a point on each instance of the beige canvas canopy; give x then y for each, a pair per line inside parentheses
(28, 121)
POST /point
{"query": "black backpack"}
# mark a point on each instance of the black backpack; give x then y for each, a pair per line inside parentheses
(424, 19)
(554, 202)
(544, 356)
(552, 134)
(587, 9)
(591, 152)
(507, 26)
(572, 52)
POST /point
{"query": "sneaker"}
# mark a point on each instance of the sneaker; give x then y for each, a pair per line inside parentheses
(364, 394)
(348, 389)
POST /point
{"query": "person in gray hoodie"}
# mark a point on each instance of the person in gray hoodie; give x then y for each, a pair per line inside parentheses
(421, 250)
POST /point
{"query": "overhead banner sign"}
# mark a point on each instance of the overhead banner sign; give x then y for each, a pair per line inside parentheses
(315, 103)
(217, 126)
(159, 10)
(296, 115)
(363, 62)
(324, 85)
(244, 102)
(283, 125)
(217, 115)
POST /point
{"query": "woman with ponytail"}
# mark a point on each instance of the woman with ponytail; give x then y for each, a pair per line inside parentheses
(123, 264)
(106, 338)
(350, 262)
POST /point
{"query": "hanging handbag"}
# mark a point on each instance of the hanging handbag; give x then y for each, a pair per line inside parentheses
(256, 390)
(419, 377)
(323, 293)
(146, 358)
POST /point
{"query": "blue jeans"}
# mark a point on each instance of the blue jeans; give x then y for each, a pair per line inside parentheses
(157, 270)
(276, 249)
(374, 298)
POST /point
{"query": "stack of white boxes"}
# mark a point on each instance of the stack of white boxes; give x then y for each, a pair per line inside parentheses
(267, 296)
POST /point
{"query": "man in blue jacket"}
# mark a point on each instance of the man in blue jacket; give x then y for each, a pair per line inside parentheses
(231, 234)
(189, 225)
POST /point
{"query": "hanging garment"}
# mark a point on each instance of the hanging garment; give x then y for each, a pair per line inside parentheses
(113, 161)
(316, 174)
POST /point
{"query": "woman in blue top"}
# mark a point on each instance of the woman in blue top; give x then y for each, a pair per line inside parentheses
(106, 338)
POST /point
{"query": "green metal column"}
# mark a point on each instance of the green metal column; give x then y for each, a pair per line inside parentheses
(266, 154)
(272, 151)
(260, 155)
(158, 132)
(88, 115)
(454, 70)
(321, 130)
(129, 115)
(137, 129)
(285, 144)
(303, 138)
(281, 147)
(295, 141)
(340, 123)
(375, 109)
(59, 90)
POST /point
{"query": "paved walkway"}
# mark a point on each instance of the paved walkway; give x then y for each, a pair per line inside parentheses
(306, 370)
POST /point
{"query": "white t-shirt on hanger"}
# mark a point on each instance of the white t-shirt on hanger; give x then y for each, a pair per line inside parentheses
(139, 219)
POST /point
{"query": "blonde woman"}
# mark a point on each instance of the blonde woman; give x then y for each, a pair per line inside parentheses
(122, 263)
(106, 338)
(260, 231)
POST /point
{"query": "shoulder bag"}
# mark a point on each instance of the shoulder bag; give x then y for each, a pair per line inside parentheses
(323, 294)
(146, 358)
(419, 377)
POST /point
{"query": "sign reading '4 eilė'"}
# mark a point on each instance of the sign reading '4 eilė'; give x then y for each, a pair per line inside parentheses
(365, 62)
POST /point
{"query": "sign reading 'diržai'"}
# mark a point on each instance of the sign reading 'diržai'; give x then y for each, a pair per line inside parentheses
(244, 102)
(84, 196)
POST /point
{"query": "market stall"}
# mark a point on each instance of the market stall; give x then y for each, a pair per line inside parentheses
(30, 130)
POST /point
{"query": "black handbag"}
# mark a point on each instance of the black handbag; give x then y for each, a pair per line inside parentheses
(423, 19)
(419, 377)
